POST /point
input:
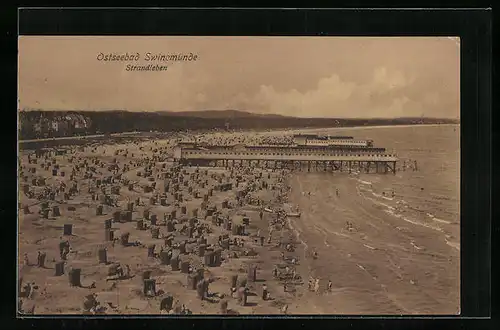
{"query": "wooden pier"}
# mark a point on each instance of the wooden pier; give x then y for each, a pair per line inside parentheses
(293, 159)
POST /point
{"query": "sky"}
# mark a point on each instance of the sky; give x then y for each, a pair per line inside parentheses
(344, 77)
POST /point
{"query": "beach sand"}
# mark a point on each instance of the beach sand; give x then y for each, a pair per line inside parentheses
(400, 257)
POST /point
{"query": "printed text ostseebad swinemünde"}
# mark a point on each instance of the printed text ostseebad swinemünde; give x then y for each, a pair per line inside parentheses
(134, 57)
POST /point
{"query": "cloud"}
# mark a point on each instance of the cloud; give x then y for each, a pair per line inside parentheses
(291, 76)
(385, 95)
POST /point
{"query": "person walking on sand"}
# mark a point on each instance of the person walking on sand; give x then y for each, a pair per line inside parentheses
(312, 283)
(316, 285)
(330, 285)
(264, 292)
(128, 273)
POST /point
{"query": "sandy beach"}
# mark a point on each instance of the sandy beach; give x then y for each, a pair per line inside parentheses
(389, 244)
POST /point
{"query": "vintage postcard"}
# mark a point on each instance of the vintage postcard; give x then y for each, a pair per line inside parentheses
(239, 175)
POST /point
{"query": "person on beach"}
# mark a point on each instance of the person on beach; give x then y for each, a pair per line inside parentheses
(330, 284)
(63, 249)
(233, 291)
(316, 285)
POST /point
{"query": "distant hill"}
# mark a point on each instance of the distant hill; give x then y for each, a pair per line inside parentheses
(45, 124)
(220, 114)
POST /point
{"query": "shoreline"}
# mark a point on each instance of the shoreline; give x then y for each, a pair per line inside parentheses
(369, 266)
(313, 130)
(380, 126)
(277, 130)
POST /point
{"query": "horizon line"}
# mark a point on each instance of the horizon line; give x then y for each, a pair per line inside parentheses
(226, 110)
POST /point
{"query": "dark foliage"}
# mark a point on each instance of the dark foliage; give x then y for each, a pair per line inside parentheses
(39, 124)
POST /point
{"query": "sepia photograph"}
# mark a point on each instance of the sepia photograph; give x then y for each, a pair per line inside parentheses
(221, 175)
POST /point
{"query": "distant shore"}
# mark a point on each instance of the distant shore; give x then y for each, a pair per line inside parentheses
(359, 127)
(77, 137)
(279, 130)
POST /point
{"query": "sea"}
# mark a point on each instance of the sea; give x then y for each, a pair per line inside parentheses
(389, 243)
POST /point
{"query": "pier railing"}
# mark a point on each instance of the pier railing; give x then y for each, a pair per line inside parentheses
(286, 156)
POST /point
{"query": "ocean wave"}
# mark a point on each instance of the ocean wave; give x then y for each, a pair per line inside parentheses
(381, 196)
(415, 246)
(454, 245)
(430, 215)
(364, 182)
(441, 220)
(370, 247)
(389, 207)
(417, 223)
(442, 197)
